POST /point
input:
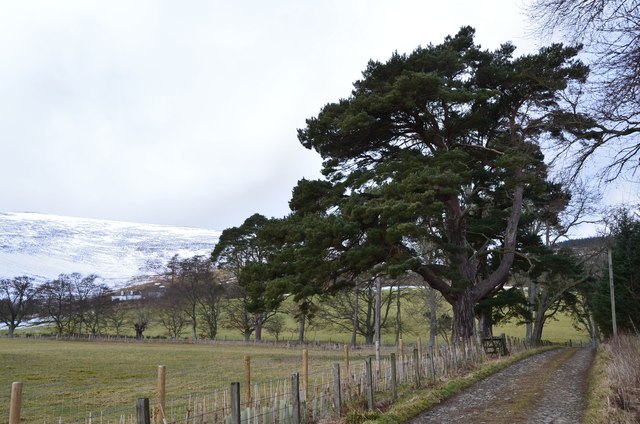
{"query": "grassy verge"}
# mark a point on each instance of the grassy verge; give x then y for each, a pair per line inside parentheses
(614, 381)
(411, 402)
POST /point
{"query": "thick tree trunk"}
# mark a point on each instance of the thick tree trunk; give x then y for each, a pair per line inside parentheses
(538, 325)
(369, 338)
(10, 330)
(139, 329)
(194, 330)
(486, 323)
(463, 317)
(213, 333)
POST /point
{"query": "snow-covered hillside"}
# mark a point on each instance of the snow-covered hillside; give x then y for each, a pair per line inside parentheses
(44, 246)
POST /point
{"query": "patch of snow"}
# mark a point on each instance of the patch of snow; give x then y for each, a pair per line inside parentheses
(44, 246)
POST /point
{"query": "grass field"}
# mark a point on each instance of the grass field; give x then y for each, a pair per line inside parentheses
(555, 331)
(62, 377)
(558, 330)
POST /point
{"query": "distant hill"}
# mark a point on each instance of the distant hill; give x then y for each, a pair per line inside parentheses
(44, 246)
(587, 243)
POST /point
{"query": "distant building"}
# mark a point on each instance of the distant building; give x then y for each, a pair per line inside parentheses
(127, 295)
(156, 290)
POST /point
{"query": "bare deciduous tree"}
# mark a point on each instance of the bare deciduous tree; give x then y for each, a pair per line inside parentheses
(172, 314)
(140, 318)
(17, 301)
(57, 304)
(355, 310)
(117, 316)
(610, 30)
(97, 310)
(210, 302)
(275, 326)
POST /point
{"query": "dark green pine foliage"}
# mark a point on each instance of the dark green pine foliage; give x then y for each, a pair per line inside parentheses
(506, 305)
(428, 165)
(245, 253)
(625, 254)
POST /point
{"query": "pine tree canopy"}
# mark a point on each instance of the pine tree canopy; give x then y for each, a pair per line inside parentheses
(431, 165)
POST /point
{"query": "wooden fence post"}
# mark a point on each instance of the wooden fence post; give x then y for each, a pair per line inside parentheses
(235, 403)
(305, 374)
(337, 388)
(16, 402)
(401, 358)
(505, 350)
(347, 374)
(142, 411)
(247, 381)
(295, 397)
(416, 361)
(432, 358)
(161, 394)
(369, 383)
(394, 380)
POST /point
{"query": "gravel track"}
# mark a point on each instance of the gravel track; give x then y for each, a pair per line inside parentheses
(542, 389)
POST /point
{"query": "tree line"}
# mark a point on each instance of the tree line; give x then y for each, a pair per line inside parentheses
(197, 296)
(190, 297)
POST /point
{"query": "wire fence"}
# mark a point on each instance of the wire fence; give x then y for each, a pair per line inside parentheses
(321, 390)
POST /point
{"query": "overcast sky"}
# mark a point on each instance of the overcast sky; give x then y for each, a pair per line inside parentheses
(185, 113)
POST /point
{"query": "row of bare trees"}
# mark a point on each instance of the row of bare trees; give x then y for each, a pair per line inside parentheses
(72, 303)
(190, 296)
(77, 304)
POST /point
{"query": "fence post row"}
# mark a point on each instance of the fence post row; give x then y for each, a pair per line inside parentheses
(16, 402)
(447, 358)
